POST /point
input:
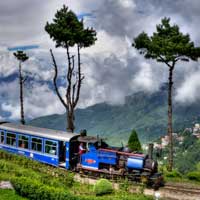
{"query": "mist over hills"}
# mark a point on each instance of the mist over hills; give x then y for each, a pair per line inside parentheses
(147, 113)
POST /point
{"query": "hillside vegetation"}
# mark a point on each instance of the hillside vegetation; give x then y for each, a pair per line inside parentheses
(146, 113)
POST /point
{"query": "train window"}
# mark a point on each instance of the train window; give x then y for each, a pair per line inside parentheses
(36, 144)
(11, 139)
(2, 137)
(23, 141)
(51, 147)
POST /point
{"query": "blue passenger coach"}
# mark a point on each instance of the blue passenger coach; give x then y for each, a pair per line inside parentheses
(41, 144)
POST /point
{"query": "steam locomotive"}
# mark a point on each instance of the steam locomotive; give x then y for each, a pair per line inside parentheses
(61, 149)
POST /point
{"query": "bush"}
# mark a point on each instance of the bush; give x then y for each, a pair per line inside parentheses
(124, 185)
(173, 174)
(103, 186)
(33, 189)
(28, 166)
(195, 175)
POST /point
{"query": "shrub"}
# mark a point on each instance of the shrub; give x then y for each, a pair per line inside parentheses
(173, 174)
(33, 189)
(66, 177)
(124, 185)
(195, 175)
(103, 186)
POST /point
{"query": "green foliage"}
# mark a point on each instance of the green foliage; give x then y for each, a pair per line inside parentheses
(173, 174)
(195, 175)
(133, 142)
(119, 196)
(188, 141)
(124, 185)
(198, 166)
(66, 30)
(167, 44)
(38, 181)
(187, 156)
(21, 56)
(34, 189)
(103, 186)
(6, 194)
(21, 166)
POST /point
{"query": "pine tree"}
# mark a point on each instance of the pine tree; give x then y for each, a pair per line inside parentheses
(21, 57)
(67, 31)
(167, 45)
(133, 142)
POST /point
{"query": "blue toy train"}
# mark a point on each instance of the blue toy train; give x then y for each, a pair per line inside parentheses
(61, 149)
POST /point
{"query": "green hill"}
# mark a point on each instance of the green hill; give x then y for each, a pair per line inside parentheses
(147, 113)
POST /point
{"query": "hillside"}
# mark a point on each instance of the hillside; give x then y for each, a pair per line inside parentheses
(147, 113)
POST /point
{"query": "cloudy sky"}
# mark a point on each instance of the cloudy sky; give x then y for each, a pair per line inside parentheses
(113, 69)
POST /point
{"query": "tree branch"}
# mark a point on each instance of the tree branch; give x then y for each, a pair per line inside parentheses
(80, 78)
(55, 80)
(69, 79)
(24, 79)
(163, 60)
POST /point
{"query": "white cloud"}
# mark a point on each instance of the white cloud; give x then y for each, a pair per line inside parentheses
(145, 79)
(189, 90)
(128, 4)
(47, 103)
(108, 44)
(8, 64)
(38, 100)
(13, 109)
(1, 118)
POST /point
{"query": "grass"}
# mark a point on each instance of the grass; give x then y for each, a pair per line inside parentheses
(9, 195)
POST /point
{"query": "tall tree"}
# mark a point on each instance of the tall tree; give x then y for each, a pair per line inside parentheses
(134, 142)
(167, 45)
(21, 57)
(67, 31)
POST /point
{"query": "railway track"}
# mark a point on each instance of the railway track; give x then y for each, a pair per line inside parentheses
(180, 191)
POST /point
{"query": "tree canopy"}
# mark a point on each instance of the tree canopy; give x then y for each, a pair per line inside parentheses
(66, 30)
(167, 44)
(21, 56)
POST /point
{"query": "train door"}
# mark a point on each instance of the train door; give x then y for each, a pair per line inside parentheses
(62, 153)
(74, 156)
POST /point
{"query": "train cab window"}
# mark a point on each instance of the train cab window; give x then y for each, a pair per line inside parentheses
(23, 141)
(51, 147)
(36, 144)
(1, 137)
(11, 139)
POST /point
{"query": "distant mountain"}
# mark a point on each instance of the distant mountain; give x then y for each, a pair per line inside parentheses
(147, 113)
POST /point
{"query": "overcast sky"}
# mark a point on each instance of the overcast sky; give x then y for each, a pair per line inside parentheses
(113, 69)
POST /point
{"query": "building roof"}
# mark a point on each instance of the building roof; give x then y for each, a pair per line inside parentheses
(40, 132)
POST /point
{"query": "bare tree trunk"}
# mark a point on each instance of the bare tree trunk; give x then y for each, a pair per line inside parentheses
(70, 109)
(70, 120)
(170, 118)
(72, 87)
(21, 93)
